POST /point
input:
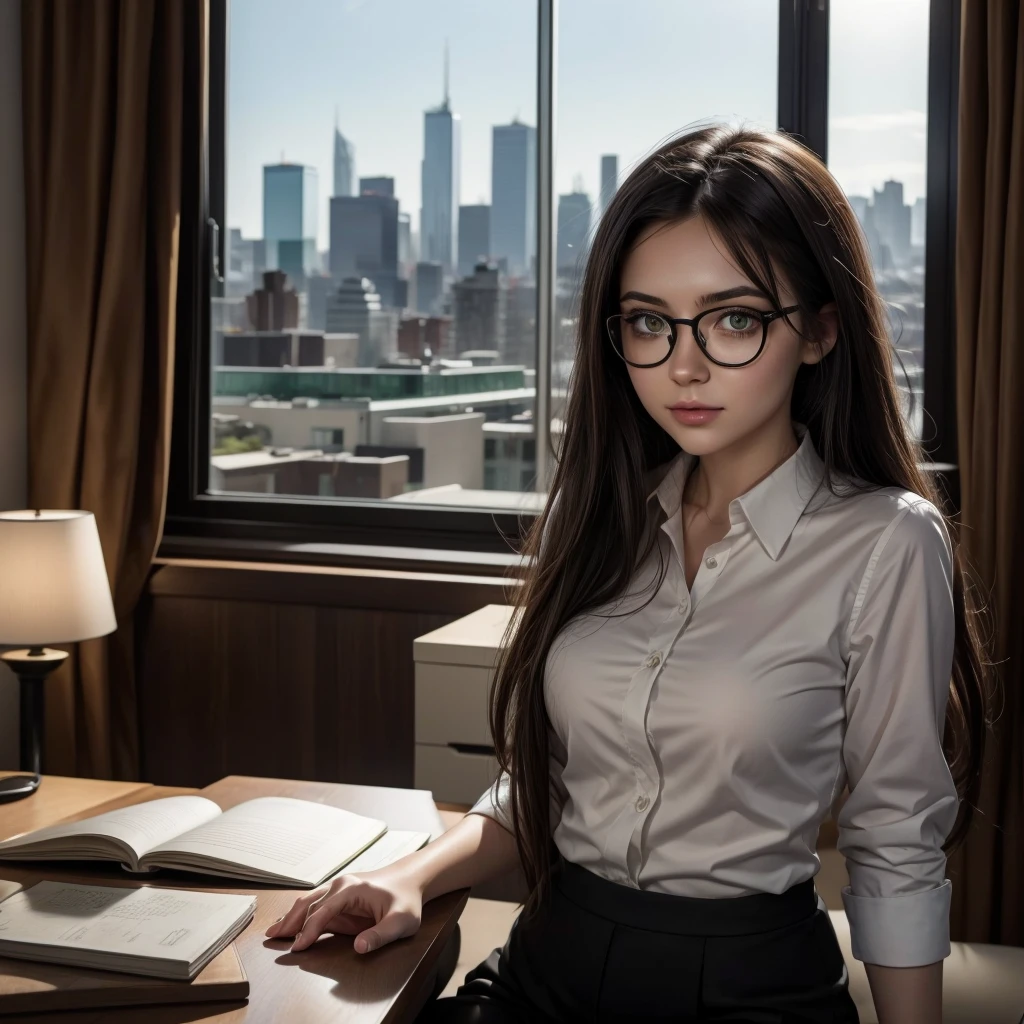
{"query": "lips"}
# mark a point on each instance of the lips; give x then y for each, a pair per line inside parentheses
(695, 405)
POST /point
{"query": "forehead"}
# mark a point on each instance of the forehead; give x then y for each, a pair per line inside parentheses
(680, 260)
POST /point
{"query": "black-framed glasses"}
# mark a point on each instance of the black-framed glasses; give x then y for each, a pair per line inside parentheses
(727, 335)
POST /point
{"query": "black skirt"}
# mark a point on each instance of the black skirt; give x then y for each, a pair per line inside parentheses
(600, 951)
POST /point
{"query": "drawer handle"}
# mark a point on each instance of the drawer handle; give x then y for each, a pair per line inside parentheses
(472, 748)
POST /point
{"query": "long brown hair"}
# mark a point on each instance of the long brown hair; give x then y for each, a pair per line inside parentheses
(775, 205)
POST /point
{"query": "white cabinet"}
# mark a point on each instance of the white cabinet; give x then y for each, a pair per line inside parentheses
(454, 674)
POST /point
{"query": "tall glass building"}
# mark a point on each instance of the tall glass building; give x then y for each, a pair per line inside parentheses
(440, 182)
(573, 233)
(290, 219)
(344, 165)
(514, 196)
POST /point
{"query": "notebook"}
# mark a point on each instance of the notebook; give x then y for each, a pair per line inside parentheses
(33, 987)
(294, 843)
(157, 932)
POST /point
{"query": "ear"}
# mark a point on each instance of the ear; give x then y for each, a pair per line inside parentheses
(826, 332)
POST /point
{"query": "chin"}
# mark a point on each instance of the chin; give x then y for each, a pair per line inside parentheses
(702, 440)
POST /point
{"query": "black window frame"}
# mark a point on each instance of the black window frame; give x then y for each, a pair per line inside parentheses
(201, 524)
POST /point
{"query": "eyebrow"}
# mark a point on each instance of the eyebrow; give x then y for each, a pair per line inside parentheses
(704, 300)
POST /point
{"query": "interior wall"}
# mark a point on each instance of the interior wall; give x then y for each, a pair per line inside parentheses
(13, 436)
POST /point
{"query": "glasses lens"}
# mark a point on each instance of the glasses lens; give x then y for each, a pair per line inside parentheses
(642, 339)
(731, 335)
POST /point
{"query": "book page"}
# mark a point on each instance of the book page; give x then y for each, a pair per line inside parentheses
(140, 827)
(164, 924)
(392, 846)
(284, 838)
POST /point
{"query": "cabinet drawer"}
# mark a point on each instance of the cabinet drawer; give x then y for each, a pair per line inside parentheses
(453, 777)
(451, 703)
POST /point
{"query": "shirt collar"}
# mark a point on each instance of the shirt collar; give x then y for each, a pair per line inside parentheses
(772, 507)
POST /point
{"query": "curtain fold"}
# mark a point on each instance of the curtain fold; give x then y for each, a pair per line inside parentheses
(988, 873)
(103, 109)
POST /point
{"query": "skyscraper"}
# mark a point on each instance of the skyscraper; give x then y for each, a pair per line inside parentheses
(290, 219)
(364, 242)
(514, 196)
(573, 232)
(440, 183)
(355, 308)
(344, 163)
(405, 253)
(891, 218)
(377, 186)
(429, 287)
(474, 237)
(609, 181)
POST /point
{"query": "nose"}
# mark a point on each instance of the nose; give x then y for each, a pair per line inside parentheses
(688, 361)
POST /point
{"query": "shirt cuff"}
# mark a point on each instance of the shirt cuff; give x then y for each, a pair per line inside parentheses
(493, 803)
(900, 931)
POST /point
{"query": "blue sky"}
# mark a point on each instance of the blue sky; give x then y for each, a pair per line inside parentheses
(629, 74)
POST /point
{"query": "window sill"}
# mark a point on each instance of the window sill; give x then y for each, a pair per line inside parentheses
(349, 556)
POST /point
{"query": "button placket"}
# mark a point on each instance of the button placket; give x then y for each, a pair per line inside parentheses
(710, 569)
(635, 712)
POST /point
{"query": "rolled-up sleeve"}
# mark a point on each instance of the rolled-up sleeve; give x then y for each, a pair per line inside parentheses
(902, 802)
(494, 801)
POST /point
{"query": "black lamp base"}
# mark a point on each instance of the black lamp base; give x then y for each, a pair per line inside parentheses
(32, 666)
(16, 787)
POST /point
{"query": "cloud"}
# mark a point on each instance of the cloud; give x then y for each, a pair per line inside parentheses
(881, 122)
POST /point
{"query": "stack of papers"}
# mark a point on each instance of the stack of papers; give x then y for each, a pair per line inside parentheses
(163, 933)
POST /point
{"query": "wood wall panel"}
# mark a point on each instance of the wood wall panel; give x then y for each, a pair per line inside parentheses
(287, 672)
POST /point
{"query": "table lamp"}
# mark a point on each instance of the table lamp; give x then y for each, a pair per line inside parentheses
(53, 589)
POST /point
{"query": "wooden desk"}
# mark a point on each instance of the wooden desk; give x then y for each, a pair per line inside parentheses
(60, 798)
(327, 982)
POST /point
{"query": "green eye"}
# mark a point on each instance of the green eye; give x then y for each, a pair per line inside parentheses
(740, 322)
(649, 323)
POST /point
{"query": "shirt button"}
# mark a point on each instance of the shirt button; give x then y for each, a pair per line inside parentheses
(711, 561)
(653, 660)
(642, 802)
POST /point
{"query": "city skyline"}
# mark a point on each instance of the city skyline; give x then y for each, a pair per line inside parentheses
(877, 122)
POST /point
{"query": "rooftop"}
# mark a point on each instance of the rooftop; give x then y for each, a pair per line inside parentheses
(262, 459)
(286, 383)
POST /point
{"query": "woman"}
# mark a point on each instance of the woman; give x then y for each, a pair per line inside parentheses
(743, 601)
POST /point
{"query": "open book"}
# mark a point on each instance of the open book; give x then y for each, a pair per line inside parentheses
(296, 843)
(164, 933)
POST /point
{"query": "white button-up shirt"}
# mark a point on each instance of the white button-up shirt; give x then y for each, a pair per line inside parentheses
(698, 742)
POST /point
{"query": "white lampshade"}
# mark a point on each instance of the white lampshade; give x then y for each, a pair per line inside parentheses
(53, 583)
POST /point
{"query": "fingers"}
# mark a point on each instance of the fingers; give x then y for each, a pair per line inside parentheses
(294, 918)
(318, 918)
(395, 925)
(351, 909)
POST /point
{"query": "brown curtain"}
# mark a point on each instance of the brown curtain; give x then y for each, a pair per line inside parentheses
(988, 873)
(103, 106)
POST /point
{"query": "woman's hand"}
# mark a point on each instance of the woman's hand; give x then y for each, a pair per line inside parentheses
(376, 906)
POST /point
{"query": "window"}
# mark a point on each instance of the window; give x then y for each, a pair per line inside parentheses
(381, 264)
(379, 283)
(639, 111)
(877, 150)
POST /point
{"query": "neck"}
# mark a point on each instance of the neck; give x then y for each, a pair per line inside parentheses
(724, 475)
